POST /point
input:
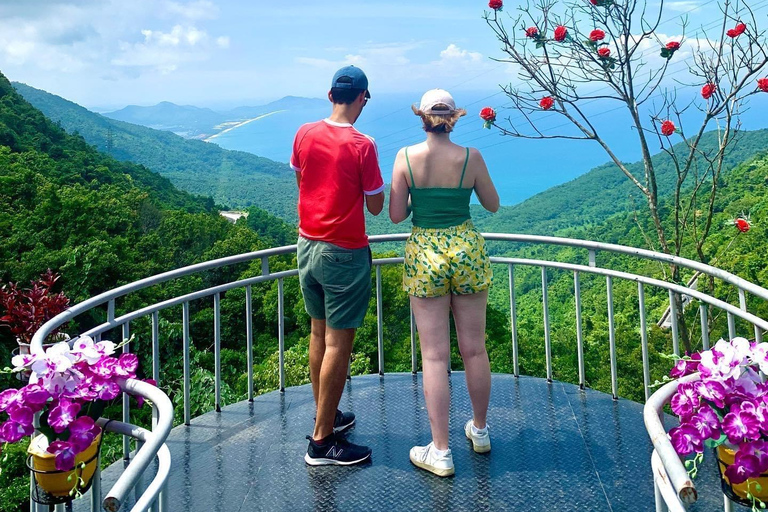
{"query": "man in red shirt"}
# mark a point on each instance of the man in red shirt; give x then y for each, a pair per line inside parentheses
(337, 170)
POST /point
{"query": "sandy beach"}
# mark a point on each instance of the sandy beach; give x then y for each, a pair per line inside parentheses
(243, 123)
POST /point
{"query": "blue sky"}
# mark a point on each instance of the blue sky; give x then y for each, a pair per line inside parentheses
(110, 53)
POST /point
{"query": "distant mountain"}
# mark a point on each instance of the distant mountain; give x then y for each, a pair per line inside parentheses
(233, 178)
(287, 103)
(184, 120)
(199, 123)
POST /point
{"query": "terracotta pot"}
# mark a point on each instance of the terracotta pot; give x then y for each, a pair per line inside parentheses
(53, 481)
(726, 456)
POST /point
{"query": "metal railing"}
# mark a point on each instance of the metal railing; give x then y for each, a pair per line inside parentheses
(662, 458)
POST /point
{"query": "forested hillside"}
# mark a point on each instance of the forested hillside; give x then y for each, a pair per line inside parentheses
(232, 178)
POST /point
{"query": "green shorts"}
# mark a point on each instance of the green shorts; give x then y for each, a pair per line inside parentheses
(335, 282)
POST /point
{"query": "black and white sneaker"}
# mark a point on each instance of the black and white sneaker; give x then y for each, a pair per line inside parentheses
(335, 450)
(343, 421)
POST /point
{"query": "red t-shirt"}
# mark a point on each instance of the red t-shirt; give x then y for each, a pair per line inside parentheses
(338, 166)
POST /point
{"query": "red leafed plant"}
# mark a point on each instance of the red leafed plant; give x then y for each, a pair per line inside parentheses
(25, 310)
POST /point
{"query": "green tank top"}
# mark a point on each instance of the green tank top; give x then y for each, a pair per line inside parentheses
(439, 207)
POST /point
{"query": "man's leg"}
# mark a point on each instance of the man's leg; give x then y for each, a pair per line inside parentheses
(316, 354)
(332, 376)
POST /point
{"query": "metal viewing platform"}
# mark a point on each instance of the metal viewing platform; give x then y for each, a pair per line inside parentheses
(556, 446)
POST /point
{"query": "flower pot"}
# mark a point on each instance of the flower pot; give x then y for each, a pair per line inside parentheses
(24, 348)
(54, 481)
(725, 457)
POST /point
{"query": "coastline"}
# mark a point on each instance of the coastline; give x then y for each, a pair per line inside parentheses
(243, 123)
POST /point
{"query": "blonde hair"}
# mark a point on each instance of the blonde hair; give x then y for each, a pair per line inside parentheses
(433, 123)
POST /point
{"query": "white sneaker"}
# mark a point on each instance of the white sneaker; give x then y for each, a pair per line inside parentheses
(425, 457)
(481, 441)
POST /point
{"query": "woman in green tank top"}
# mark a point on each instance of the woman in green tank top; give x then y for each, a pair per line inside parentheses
(446, 270)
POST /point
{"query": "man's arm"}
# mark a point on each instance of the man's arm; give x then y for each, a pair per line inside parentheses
(298, 178)
(375, 203)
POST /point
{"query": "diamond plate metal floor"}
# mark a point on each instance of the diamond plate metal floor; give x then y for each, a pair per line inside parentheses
(555, 448)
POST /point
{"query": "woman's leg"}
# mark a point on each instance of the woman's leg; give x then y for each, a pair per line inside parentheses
(433, 327)
(469, 316)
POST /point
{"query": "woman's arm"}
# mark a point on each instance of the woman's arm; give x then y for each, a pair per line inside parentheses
(484, 187)
(399, 194)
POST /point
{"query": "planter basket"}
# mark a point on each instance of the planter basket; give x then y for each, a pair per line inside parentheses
(738, 492)
(52, 486)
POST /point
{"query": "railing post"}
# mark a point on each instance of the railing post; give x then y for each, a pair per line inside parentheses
(704, 326)
(644, 340)
(249, 339)
(96, 485)
(111, 310)
(281, 331)
(155, 359)
(547, 338)
(186, 347)
(592, 258)
(414, 359)
(513, 321)
(217, 350)
(743, 307)
(379, 320)
(612, 338)
(579, 334)
(264, 266)
(673, 318)
(731, 326)
(126, 398)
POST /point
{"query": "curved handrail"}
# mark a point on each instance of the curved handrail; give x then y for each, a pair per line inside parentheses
(154, 441)
(652, 415)
(38, 338)
(207, 292)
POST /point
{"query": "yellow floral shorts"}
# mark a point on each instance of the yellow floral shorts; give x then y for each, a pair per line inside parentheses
(446, 260)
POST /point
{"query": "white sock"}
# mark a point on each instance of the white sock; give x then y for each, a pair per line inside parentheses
(440, 453)
(476, 430)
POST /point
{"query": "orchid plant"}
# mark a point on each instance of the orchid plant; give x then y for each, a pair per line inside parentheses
(70, 384)
(727, 406)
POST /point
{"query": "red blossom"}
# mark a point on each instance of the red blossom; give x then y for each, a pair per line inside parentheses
(596, 35)
(742, 224)
(604, 53)
(667, 128)
(762, 84)
(673, 46)
(739, 29)
(708, 90)
(496, 4)
(488, 114)
(593, 2)
(560, 33)
(547, 102)
(531, 32)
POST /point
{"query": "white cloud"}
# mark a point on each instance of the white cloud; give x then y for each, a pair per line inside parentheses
(453, 54)
(684, 6)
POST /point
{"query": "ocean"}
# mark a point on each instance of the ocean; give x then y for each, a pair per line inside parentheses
(520, 168)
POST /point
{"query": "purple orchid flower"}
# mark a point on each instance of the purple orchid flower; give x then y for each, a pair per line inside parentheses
(21, 414)
(8, 398)
(126, 365)
(34, 395)
(105, 389)
(706, 423)
(82, 433)
(12, 431)
(712, 391)
(105, 367)
(686, 440)
(62, 414)
(65, 455)
(740, 426)
(742, 469)
(686, 400)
